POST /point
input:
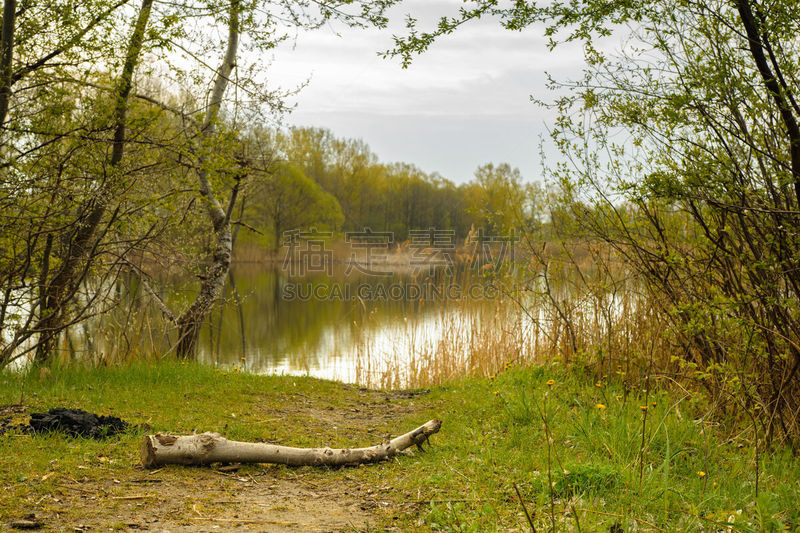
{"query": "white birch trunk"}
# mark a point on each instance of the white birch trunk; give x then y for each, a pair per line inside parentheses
(205, 448)
(214, 280)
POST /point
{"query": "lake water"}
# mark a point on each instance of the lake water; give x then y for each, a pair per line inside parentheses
(350, 327)
(405, 329)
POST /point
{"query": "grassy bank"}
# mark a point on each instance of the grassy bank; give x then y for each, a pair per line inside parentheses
(612, 465)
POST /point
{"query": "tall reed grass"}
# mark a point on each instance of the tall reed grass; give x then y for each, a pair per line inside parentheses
(571, 303)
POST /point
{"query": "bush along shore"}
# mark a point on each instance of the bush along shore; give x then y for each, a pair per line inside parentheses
(544, 447)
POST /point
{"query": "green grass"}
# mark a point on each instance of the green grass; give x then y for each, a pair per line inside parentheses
(695, 473)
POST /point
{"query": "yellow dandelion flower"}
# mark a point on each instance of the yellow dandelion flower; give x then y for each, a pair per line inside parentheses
(643, 407)
(598, 384)
(550, 382)
(600, 406)
(492, 376)
(701, 473)
(496, 393)
(619, 397)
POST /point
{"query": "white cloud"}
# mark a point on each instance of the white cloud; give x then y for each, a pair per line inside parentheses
(463, 103)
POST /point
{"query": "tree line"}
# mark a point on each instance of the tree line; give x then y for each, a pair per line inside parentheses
(335, 184)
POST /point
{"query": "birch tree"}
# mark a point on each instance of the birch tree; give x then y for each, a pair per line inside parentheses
(263, 25)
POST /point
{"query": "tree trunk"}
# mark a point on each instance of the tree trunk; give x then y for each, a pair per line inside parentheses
(57, 293)
(6, 56)
(773, 81)
(208, 448)
(214, 279)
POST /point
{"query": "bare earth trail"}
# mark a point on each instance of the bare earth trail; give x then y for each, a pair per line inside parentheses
(217, 501)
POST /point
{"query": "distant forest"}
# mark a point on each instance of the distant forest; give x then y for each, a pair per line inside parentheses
(311, 178)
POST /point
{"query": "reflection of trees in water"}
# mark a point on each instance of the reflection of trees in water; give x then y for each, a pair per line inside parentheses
(235, 302)
(269, 330)
(256, 323)
(302, 334)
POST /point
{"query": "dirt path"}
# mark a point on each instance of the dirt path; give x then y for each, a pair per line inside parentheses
(214, 501)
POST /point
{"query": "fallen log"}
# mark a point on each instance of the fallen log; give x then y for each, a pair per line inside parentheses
(206, 448)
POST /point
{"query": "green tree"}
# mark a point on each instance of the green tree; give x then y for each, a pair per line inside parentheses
(287, 199)
(499, 200)
(682, 151)
(74, 238)
(74, 203)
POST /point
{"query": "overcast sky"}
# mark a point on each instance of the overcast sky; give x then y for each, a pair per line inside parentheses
(464, 103)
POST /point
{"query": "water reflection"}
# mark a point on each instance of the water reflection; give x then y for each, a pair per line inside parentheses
(352, 327)
(407, 329)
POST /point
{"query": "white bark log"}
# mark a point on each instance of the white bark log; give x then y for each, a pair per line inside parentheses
(205, 448)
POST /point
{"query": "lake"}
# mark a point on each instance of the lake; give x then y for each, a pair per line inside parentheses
(352, 327)
(410, 327)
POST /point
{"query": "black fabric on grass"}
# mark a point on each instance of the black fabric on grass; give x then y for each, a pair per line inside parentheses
(76, 423)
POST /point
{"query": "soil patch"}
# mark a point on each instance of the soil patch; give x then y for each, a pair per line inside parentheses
(270, 500)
